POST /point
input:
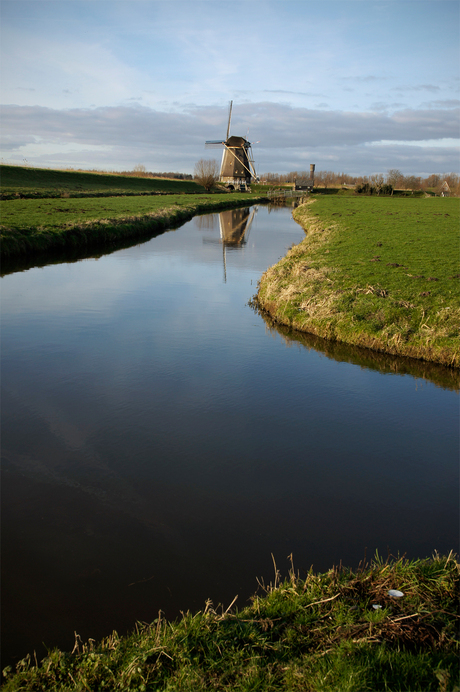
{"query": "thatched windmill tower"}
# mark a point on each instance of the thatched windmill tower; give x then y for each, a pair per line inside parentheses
(237, 167)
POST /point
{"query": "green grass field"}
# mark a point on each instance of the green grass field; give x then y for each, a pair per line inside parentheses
(19, 181)
(341, 631)
(45, 211)
(376, 272)
(30, 215)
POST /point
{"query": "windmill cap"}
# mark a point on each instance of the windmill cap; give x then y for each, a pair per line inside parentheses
(236, 142)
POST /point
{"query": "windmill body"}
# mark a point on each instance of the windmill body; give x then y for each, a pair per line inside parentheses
(237, 167)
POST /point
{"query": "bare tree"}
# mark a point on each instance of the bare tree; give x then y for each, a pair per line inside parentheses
(432, 181)
(412, 182)
(206, 173)
(394, 177)
(140, 170)
(377, 181)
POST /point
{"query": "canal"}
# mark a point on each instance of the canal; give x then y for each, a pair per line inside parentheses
(161, 440)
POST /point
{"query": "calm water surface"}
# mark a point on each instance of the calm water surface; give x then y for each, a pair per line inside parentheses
(160, 441)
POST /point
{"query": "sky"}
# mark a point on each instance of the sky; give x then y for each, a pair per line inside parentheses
(354, 86)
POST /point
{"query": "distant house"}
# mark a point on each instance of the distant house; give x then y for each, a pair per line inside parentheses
(445, 189)
(304, 184)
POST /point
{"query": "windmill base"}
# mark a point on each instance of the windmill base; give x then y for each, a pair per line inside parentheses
(240, 184)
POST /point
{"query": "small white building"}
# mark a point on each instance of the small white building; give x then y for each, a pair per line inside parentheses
(445, 189)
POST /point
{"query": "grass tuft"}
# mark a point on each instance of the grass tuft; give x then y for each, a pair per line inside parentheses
(316, 633)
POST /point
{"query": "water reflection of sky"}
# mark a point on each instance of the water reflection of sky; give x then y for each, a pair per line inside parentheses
(174, 260)
(159, 315)
(143, 383)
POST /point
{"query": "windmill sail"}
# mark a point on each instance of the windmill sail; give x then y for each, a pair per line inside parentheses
(229, 118)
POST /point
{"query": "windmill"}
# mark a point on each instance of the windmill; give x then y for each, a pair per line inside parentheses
(237, 167)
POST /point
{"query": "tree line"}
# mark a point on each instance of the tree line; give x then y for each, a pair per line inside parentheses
(393, 177)
(207, 172)
(140, 171)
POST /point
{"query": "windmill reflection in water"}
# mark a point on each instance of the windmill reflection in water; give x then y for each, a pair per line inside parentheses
(234, 226)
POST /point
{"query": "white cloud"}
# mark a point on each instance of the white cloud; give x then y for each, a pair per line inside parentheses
(440, 103)
(124, 135)
(433, 88)
(76, 72)
(275, 124)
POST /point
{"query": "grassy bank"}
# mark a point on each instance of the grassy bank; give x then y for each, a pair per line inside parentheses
(32, 183)
(341, 630)
(379, 273)
(31, 226)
